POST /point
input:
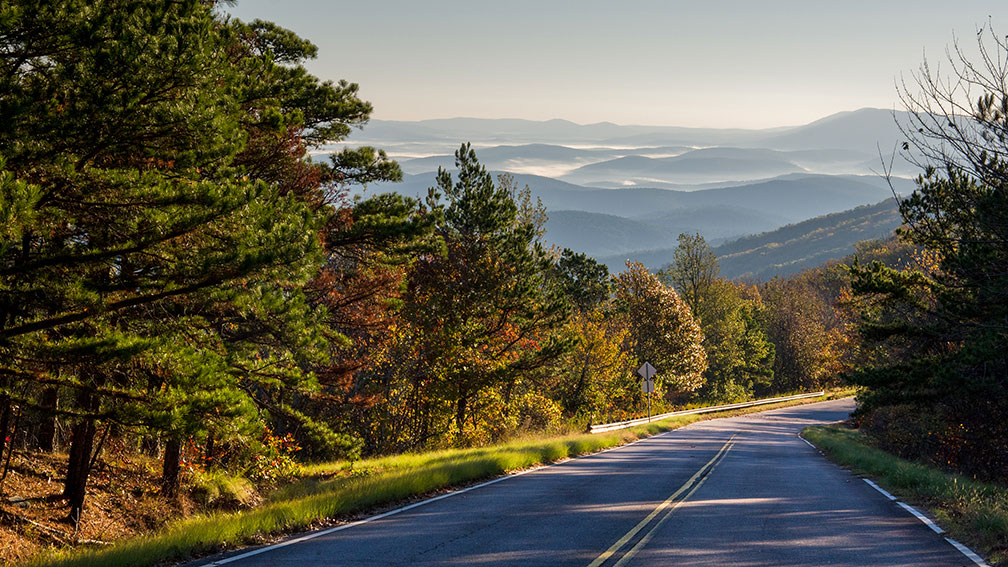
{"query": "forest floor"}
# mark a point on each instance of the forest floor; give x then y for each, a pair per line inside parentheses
(120, 503)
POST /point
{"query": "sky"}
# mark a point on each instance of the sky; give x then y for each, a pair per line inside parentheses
(698, 63)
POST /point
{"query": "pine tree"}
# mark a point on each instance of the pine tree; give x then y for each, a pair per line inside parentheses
(162, 219)
(942, 324)
(482, 312)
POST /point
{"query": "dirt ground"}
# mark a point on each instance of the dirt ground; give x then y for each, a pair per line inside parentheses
(119, 503)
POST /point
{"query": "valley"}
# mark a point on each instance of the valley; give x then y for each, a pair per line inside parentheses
(621, 193)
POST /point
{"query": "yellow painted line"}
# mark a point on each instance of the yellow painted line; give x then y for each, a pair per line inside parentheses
(633, 531)
(650, 533)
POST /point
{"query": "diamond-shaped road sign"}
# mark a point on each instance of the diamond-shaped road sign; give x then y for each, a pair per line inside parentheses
(647, 371)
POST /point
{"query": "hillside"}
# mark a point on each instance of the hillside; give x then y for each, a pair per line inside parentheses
(793, 248)
(598, 234)
(864, 130)
(787, 250)
(696, 166)
(791, 198)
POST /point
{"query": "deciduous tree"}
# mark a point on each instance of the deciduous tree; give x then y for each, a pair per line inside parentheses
(663, 331)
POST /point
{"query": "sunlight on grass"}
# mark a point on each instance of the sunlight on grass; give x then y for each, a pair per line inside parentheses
(338, 489)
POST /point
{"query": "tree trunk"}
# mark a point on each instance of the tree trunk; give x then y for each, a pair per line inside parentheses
(460, 415)
(10, 448)
(78, 468)
(47, 427)
(5, 415)
(171, 467)
(81, 446)
(149, 446)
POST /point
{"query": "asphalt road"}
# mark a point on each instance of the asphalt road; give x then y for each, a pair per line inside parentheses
(743, 491)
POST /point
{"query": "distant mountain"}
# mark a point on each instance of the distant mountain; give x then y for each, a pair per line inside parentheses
(617, 191)
(503, 130)
(867, 130)
(526, 158)
(787, 250)
(695, 166)
(716, 223)
(598, 234)
(797, 198)
(864, 130)
(518, 131)
(791, 198)
(654, 258)
(793, 248)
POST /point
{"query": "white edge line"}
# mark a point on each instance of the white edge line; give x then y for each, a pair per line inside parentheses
(807, 441)
(328, 531)
(967, 552)
(937, 529)
(962, 548)
(880, 489)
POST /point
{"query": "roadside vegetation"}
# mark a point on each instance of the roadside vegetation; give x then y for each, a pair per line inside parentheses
(973, 512)
(326, 493)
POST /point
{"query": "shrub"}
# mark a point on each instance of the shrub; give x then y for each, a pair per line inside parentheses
(217, 489)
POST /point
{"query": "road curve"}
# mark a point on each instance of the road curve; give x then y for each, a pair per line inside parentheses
(744, 491)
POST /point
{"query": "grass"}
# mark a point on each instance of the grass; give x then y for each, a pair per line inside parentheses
(975, 513)
(342, 489)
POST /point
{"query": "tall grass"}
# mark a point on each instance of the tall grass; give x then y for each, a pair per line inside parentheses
(343, 488)
(975, 513)
(385, 480)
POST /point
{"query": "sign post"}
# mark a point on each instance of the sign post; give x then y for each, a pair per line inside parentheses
(647, 372)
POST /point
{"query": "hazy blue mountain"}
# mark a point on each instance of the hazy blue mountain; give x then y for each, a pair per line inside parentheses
(715, 222)
(792, 198)
(654, 258)
(526, 158)
(861, 130)
(807, 244)
(502, 130)
(866, 130)
(598, 234)
(787, 250)
(613, 190)
(668, 167)
(696, 166)
(517, 131)
(795, 198)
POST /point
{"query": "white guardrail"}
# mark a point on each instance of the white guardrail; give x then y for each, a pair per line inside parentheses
(603, 427)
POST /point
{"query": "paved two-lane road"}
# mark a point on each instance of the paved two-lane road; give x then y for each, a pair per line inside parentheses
(743, 491)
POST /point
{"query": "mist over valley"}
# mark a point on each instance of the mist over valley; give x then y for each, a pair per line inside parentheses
(621, 193)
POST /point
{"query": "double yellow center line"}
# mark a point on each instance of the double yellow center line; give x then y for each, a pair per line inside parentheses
(668, 506)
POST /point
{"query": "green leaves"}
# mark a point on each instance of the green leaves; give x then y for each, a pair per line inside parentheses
(663, 330)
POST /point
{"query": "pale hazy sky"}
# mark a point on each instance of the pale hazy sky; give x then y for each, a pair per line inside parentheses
(713, 63)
